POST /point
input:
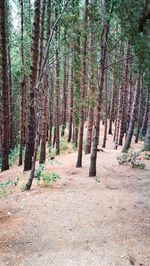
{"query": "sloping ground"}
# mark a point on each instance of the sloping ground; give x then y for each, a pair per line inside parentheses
(78, 221)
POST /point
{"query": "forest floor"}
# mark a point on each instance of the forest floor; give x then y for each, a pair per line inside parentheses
(78, 221)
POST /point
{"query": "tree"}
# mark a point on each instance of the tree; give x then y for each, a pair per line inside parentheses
(5, 88)
(33, 78)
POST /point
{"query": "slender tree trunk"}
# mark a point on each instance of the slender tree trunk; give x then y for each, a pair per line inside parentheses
(71, 105)
(124, 97)
(83, 85)
(145, 118)
(33, 77)
(111, 108)
(91, 93)
(12, 138)
(57, 86)
(5, 88)
(92, 169)
(105, 123)
(23, 90)
(41, 39)
(138, 116)
(64, 109)
(116, 135)
(147, 137)
(133, 116)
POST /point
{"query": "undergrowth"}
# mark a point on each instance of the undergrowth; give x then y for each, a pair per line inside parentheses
(131, 158)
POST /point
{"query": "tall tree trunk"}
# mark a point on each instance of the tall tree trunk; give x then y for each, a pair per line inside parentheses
(116, 135)
(5, 89)
(124, 97)
(83, 86)
(145, 118)
(33, 78)
(106, 112)
(12, 138)
(41, 39)
(111, 107)
(133, 116)
(64, 108)
(91, 92)
(57, 86)
(23, 90)
(139, 116)
(92, 169)
(71, 105)
(147, 137)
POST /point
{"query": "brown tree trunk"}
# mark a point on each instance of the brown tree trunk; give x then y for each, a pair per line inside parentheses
(116, 135)
(133, 116)
(71, 105)
(57, 86)
(106, 113)
(5, 88)
(92, 169)
(41, 39)
(23, 90)
(147, 137)
(91, 93)
(33, 78)
(83, 85)
(139, 116)
(124, 97)
(64, 108)
(111, 108)
(145, 118)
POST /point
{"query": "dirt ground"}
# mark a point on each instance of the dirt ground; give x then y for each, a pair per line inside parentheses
(78, 221)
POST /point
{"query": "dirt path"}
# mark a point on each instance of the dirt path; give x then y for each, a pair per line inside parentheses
(79, 222)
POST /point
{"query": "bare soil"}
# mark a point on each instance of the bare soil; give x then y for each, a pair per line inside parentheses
(78, 221)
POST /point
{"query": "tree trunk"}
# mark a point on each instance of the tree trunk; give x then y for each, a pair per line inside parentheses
(92, 169)
(139, 116)
(33, 78)
(116, 135)
(91, 93)
(124, 96)
(64, 108)
(145, 118)
(71, 105)
(23, 91)
(5, 88)
(105, 123)
(147, 137)
(133, 116)
(57, 86)
(111, 108)
(83, 85)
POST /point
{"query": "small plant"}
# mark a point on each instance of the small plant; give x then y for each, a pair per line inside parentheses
(8, 183)
(13, 155)
(38, 172)
(131, 158)
(97, 179)
(49, 178)
(63, 146)
(147, 156)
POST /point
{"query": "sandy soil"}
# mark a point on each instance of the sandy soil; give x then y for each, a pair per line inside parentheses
(78, 221)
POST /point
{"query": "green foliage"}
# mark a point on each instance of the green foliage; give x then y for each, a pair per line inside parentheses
(38, 172)
(97, 179)
(63, 145)
(7, 184)
(49, 178)
(131, 158)
(13, 155)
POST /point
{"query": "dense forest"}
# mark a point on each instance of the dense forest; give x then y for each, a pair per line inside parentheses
(75, 104)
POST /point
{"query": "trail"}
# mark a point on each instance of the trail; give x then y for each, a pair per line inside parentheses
(78, 221)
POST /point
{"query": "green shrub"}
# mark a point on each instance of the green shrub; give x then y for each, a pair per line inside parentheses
(63, 146)
(131, 158)
(38, 172)
(49, 178)
(13, 155)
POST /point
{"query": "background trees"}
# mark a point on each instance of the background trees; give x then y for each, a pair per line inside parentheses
(56, 58)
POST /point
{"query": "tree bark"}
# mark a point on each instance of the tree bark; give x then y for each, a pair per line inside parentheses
(5, 88)
(83, 86)
(147, 137)
(104, 35)
(133, 116)
(33, 78)
(111, 108)
(71, 105)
